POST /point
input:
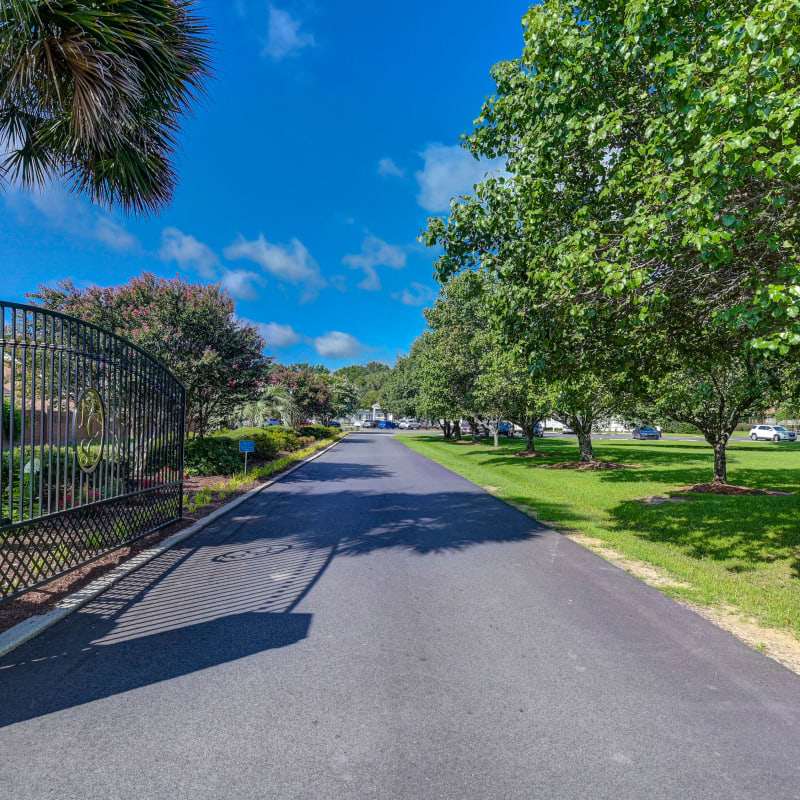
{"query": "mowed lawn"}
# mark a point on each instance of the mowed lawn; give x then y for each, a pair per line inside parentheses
(742, 551)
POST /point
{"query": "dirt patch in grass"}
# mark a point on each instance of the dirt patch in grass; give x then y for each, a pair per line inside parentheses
(725, 488)
(596, 464)
(533, 454)
(658, 499)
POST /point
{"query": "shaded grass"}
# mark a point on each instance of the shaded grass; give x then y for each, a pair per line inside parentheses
(742, 551)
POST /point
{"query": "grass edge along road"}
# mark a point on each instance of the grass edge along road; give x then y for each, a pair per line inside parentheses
(739, 553)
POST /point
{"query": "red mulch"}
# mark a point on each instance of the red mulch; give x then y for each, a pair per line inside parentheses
(581, 465)
(533, 454)
(724, 488)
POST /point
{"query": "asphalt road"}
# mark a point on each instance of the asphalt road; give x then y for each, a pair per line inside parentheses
(376, 628)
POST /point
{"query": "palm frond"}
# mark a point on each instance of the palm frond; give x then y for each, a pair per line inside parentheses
(94, 92)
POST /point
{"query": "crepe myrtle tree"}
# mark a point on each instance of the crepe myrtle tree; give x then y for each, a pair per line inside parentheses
(190, 327)
(308, 394)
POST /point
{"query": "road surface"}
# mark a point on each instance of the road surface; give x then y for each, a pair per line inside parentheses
(374, 627)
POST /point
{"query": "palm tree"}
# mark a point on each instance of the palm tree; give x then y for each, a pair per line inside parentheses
(93, 91)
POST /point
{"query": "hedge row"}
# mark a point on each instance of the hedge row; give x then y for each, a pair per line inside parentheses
(219, 454)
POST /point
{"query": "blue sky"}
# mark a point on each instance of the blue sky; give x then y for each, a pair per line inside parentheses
(327, 140)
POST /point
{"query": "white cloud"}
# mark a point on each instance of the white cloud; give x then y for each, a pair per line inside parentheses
(278, 335)
(68, 213)
(242, 283)
(335, 344)
(291, 263)
(448, 172)
(188, 252)
(284, 37)
(416, 294)
(375, 253)
(387, 167)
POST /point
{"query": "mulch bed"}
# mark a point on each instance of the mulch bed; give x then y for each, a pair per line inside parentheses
(725, 488)
(48, 594)
(533, 454)
(581, 465)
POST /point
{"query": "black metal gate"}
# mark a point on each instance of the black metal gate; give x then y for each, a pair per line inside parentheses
(91, 445)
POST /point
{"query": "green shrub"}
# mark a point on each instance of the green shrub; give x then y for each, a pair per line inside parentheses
(215, 455)
(265, 446)
(317, 431)
(10, 421)
(285, 439)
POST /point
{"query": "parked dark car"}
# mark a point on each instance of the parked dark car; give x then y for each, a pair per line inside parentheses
(646, 432)
(539, 430)
(335, 424)
(387, 423)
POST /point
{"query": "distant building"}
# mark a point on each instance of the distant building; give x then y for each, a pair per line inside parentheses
(374, 414)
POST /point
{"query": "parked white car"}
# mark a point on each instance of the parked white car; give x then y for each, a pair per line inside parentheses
(413, 426)
(774, 433)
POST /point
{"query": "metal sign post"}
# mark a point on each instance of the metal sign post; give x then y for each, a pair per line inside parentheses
(246, 446)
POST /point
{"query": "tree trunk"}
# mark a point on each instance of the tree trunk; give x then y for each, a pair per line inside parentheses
(530, 440)
(446, 428)
(457, 430)
(496, 435)
(720, 462)
(473, 423)
(585, 443)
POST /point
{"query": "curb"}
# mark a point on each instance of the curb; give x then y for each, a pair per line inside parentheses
(29, 628)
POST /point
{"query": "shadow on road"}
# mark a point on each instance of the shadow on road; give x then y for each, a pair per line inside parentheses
(232, 594)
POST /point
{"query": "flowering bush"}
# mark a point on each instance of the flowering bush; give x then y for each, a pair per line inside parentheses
(190, 327)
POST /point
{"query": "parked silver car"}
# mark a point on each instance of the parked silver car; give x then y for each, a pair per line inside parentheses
(774, 433)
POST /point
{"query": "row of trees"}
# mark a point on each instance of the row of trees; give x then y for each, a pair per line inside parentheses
(640, 253)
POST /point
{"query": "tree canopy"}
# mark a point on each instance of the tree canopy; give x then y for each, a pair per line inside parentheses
(190, 327)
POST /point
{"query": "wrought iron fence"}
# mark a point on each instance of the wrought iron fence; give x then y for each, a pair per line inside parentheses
(91, 445)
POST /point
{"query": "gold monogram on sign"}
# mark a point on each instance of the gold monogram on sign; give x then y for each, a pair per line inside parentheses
(89, 425)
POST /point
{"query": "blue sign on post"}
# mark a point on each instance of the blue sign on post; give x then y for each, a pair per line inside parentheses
(246, 446)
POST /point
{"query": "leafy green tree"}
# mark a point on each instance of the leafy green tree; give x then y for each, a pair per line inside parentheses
(368, 380)
(308, 394)
(653, 162)
(94, 93)
(718, 394)
(459, 338)
(400, 392)
(190, 327)
(344, 398)
(508, 389)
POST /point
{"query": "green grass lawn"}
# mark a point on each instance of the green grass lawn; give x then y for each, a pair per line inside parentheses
(742, 551)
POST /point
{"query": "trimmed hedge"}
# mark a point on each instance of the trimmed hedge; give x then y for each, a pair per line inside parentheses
(285, 439)
(215, 455)
(317, 431)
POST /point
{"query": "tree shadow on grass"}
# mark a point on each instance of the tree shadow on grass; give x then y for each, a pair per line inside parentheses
(743, 530)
